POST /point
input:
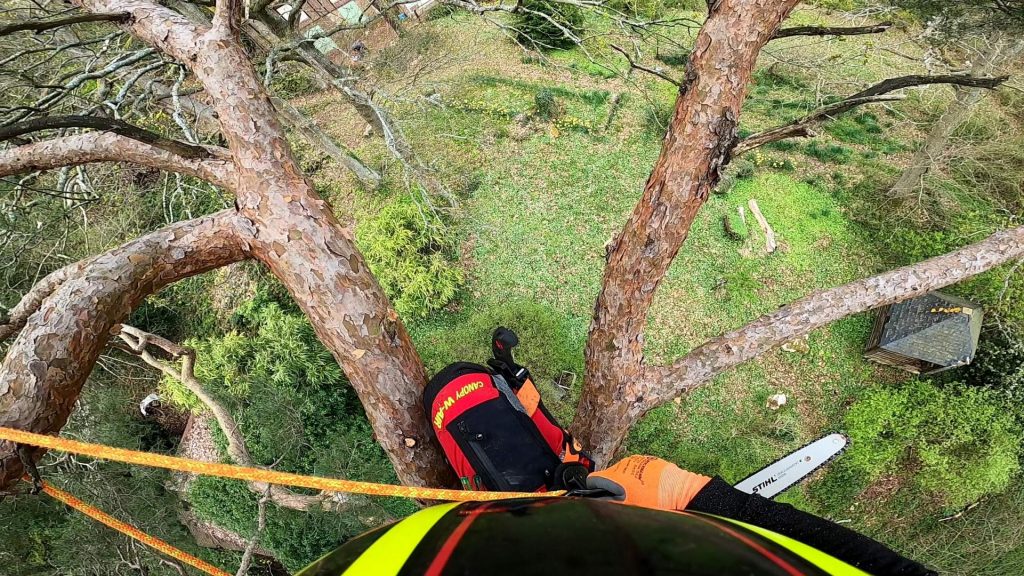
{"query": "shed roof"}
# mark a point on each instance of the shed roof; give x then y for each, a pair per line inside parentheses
(936, 327)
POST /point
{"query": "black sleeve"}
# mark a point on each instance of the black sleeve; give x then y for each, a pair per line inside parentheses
(721, 499)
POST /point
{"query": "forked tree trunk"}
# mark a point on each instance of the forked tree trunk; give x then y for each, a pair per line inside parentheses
(701, 134)
(279, 220)
(1001, 51)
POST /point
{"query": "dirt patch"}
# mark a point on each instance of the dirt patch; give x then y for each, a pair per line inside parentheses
(883, 489)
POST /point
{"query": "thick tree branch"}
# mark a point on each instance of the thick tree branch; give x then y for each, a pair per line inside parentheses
(48, 362)
(802, 317)
(831, 30)
(183, 149)
(301, 240)
(697, 145)
(44, 25)
(227, 17)
(108, 147)
(891, 84)
(32, 300)
(139, 341)
(803, 127)
(156, 25)
(293, 16)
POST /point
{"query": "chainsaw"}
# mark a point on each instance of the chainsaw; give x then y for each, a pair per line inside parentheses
(789, 470)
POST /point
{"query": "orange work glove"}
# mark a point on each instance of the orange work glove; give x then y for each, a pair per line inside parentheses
(649, 482)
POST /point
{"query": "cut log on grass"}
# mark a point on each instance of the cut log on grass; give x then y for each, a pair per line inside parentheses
(769, 235)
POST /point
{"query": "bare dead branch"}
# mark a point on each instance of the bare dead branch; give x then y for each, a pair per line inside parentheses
(831, 30)
(803, 127)
(769, 235)
(58, 93)
(261, 525)
(92, 147)
(138, 341)
(633, 64)
(44, 25)
(293, 16)
(292, 118)
(183, 149)
(891, 84)
(802, 317)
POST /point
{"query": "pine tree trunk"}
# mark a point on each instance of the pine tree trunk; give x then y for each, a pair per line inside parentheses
(297, 236)
(700, 137)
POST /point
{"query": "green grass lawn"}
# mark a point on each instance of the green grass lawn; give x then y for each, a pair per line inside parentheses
(535, 230)
(539, 204)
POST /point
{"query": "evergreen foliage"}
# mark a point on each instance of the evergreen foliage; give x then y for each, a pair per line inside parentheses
(542, 24)
(999, 365)
(961, 442)
(413, 256)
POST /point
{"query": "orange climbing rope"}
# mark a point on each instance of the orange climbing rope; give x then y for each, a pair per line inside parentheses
(132, 531)
(102, 452)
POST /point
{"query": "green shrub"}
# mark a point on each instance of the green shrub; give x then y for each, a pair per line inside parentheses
(725, 184)
(998, 365)
(955, 443)
(734, 226)
(272, 368)
(540, 24)
(296, 411)
(783, 145)
(656, 116)
(743, 169)
(295, 538)
(833, 153)
(545, 104)
(859, 129)
(414, 258)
